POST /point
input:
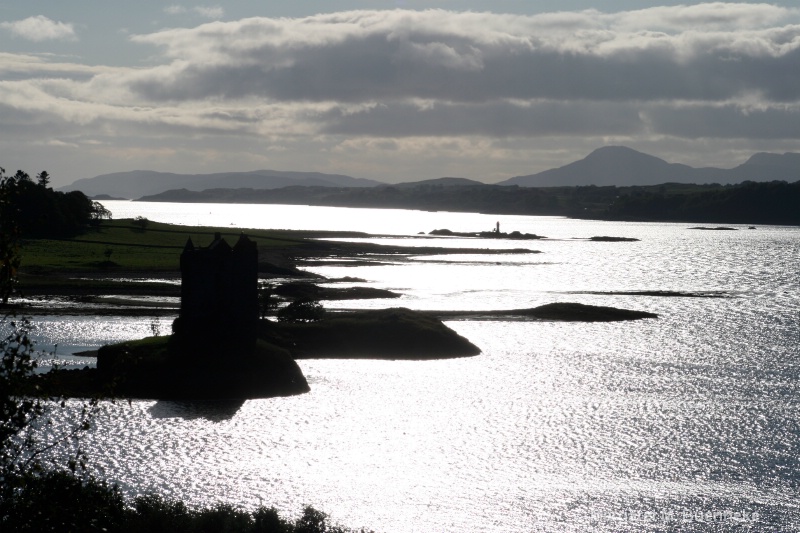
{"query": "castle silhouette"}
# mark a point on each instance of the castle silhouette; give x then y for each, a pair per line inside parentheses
(219, 289)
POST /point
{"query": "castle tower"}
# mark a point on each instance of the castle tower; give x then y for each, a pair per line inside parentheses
(219, 289)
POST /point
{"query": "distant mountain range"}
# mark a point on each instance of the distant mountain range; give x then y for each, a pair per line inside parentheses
(621, 166)
(138, 183)
(611, 165)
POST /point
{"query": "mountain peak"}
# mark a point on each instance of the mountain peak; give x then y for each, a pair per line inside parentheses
(614, 150)
(620, 165)
(788, 160)
(620, 153)
(611, 165)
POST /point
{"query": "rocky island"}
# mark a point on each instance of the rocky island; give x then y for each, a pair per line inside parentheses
(606, 238)
(495, 234)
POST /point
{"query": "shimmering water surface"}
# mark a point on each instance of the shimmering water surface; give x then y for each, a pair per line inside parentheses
(688, 421)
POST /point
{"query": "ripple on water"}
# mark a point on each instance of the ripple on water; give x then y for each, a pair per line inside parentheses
(555, 426)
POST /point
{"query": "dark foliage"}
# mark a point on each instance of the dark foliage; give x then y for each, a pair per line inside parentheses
(16, 411)
(773, 202)
(39, 211)
(302, 310)
(63, 501)
(43, 179)
(9, 244)
(310, 291)
(59, 501)
(141, 222)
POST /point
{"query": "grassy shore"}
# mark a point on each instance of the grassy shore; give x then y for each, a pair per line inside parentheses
(103, 259)
(124, 245)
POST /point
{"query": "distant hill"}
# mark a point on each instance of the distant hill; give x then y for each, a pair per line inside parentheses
(612, 165)
(622, 166)
(140, 183)
(768, 167)
(773, 202)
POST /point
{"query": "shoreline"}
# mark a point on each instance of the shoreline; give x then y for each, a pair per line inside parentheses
(666, 202)
(108, 291)
(107, 288)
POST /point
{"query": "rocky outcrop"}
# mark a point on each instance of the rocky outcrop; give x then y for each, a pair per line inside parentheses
(396, 333)
(560, 311)
(514, 235)
(605, 238)
(315, 292)
(173, 368)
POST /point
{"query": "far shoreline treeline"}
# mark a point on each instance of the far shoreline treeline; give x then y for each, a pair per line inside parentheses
(749, 202)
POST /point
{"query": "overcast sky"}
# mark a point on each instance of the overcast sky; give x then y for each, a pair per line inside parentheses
(398, 90)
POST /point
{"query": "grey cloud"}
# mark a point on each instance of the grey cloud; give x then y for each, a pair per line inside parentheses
(727, 122)
(710, 16)
(209, 12)
(40, 28)
(496, 119)
(371, 69)
(580, 118)
(28, 67)
(346, 59)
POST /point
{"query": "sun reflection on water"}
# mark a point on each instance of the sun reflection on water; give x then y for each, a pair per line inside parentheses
(554, 427)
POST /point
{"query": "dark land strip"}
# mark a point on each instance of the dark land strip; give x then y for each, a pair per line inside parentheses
(666, 294)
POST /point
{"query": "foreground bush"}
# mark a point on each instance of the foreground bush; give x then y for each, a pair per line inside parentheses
(64, 502)
(59, 501)
(302, 310)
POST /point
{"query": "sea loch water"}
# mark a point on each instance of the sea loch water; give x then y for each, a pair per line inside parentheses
(688, 421)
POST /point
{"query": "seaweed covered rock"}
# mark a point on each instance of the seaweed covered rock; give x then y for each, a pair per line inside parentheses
(312, 291)
(606, 238)
(559, 311)
(575, 312)
(395, 333)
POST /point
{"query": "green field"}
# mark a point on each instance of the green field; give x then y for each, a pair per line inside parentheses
(103, 259)
(124, 246)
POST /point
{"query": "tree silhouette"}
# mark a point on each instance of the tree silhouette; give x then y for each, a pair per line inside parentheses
(43, 179)
(40, 212)
(21, 176)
